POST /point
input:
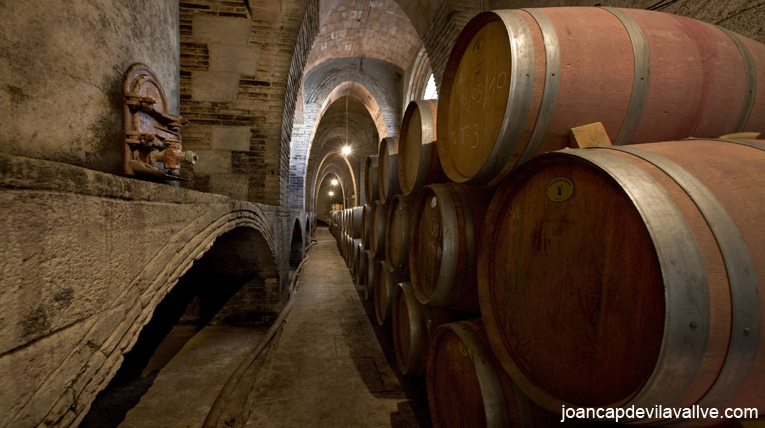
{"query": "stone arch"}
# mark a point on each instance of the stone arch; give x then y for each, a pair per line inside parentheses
(162, 274)
(297, 245)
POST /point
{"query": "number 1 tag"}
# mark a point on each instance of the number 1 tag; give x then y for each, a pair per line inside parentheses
(560, 189)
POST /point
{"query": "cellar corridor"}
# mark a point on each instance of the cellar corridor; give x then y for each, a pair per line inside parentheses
(332, 365)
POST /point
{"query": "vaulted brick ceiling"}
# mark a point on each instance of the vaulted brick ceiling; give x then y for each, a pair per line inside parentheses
(364, 28)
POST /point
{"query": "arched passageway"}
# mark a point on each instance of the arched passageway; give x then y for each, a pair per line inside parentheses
(297, 246)
(218, 291)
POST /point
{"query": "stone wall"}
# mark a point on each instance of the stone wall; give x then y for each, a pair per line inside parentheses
(62, 65)
(86, 258)
(237, 80)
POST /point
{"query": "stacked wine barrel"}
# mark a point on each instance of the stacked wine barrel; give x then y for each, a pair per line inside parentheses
(521, 276)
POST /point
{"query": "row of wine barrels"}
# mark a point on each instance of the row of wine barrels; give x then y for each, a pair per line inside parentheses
(468, 388)
(384, 286)
(366, 217)
(646, 76)
(641, 265)
(377, 229)
(387, 170)
(370, 183)
(418, 163)
(446, 220)
(413, 324)
(397, 222)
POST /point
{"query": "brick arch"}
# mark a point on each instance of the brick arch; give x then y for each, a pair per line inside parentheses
(359, 92)
(328, 157)
(333, 169)
(328, 171)
(418, 78)
(377, 84)
(331, 137)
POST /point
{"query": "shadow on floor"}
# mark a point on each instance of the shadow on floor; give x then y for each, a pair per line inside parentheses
(416, 407)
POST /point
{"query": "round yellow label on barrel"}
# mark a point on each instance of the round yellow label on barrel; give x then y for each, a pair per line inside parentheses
(463, 349)
(560, 189)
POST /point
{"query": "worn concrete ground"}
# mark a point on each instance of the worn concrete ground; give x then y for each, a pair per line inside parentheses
(186, 387)
(329, 367)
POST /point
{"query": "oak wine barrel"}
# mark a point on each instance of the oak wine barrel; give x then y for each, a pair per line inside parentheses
(418, 163)
(413, 324)
(370, 281)
(366, 217)
(361, 266)
(385, 283)
(370, 181)
(446, 219)
(377, 230)
(398, 219)
(358, 227)
(387, 170)
(467, 387)
(620, 276)
(347, 249)
(517, 81)
(354, 254)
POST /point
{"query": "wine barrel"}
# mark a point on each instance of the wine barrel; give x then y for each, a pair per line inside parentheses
(621, 276)
(635, 71)
(385, 283)
(446, 218)
(361, 266)
(468, 388)
(366, 217)
(418, 163)
(370, 181)
(397, 223)
(347, 250)
(413, 324)
(387, 170)
(354, 254)
(357, 226)
(377, 231)
(370, 281)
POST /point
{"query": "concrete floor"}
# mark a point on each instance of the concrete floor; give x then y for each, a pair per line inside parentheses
(332, 367)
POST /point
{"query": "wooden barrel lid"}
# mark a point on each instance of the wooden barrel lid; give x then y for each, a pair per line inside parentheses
(407, 335)
(361, 263)
(366, 227)
(385, 281)
(370, 281)
(442, 252)
(464, 386)
(476, 97)
(599, 260)
(387, 169)
(370, 183)
(397, 234)
(377, 240)
(418, 154)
